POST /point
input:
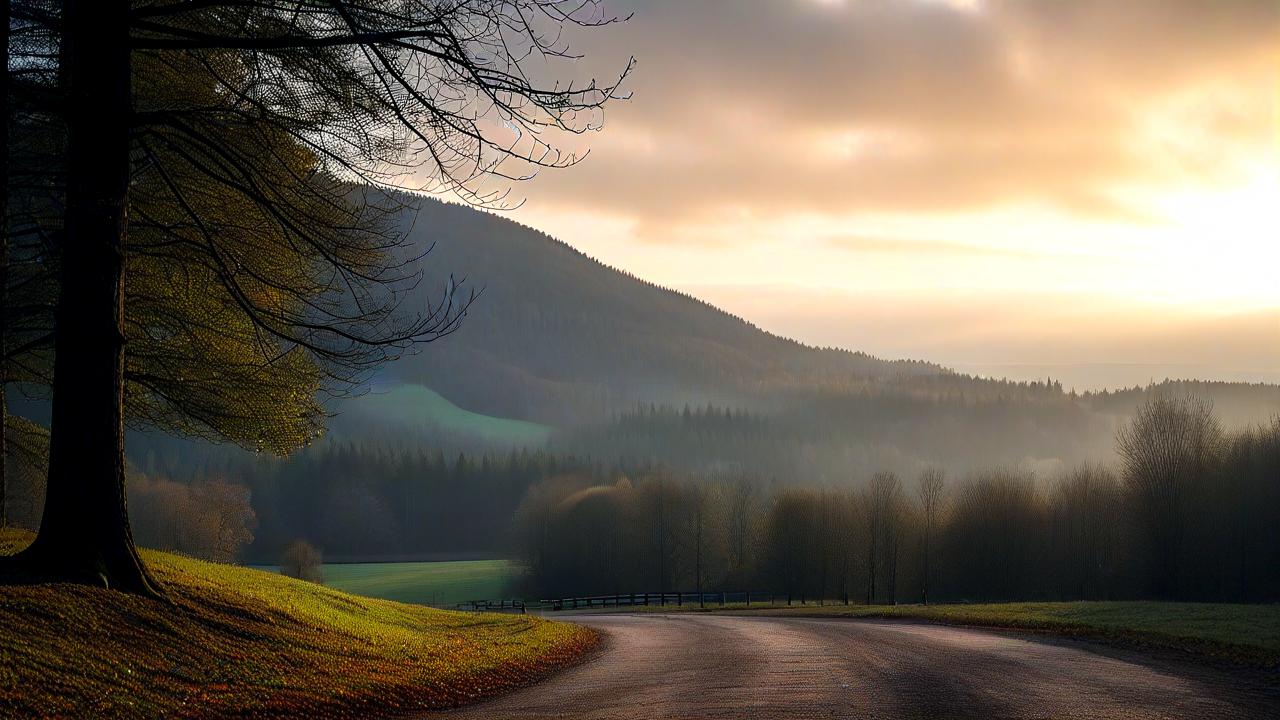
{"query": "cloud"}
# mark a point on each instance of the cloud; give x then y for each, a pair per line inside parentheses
(901, 246)
(920, 107)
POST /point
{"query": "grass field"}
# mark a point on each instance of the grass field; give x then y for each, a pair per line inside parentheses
(1245, 634)
(234, 641)
(424, 583)
(412, 405)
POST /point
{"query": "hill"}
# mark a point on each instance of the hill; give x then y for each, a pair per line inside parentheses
(564, 353)
(560, 338)
(599, 374)
(247, 643)
(615, 363)
(410, 410)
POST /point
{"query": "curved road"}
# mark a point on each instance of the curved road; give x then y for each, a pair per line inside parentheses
(707, 666)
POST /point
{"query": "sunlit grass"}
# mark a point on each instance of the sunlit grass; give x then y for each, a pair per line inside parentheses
(241, 642)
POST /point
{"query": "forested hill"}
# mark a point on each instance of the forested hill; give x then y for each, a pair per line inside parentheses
(565, 354)
(566, 368)
(558, 337)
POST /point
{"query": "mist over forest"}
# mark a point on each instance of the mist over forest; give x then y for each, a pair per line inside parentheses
(564, 367)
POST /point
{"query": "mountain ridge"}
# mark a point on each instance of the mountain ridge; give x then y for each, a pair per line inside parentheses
(544, 301)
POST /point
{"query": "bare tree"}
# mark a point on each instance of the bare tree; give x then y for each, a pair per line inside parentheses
(210, 519)
(742, 508)
(789, 535)
(699, 508)
(883, 498)
(930, 488)
(843, 540)
(1167, 451)
(1086, 519)
(664, 530)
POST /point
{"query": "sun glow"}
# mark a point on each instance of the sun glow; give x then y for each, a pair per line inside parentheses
(1222, 246)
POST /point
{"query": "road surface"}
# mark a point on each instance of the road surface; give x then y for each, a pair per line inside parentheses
(707, 666)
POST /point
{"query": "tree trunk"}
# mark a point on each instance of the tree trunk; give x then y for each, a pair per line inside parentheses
(84, 534)
(871, 567)
(4, 276)
(4, 444)
(924, 588)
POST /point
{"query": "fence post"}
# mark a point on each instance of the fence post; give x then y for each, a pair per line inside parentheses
(721, 598)
(748, 598)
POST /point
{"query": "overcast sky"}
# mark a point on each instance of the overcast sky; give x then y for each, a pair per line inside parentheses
(1004, 186)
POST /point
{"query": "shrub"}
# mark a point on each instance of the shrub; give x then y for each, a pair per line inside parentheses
(301, 560)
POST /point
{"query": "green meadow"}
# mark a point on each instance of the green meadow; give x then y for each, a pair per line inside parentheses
(422, 583)
(413, 405)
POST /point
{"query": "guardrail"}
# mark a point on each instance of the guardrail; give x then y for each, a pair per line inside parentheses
(492, 605)
(659, 599)
(662, 599)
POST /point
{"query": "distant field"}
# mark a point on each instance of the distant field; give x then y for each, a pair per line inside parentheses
(412, 405)
(423, 583)
(1248, 634)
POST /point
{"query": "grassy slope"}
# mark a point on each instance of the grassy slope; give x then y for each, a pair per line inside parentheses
(239, 642)
(440, 583)
(1245, 634)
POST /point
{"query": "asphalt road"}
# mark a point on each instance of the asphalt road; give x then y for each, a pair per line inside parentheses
(705, 666)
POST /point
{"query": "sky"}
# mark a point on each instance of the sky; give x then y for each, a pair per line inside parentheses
(1083, 188)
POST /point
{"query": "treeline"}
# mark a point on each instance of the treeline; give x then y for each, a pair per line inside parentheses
(351, 500)
(365, 500)
(1188, 512)
(825, 438)
(210, 518)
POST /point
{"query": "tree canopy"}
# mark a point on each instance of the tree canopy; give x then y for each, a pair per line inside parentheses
(206, 208)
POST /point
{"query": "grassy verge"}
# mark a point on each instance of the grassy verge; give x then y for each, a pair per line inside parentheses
(243, 643)
(1241, 634)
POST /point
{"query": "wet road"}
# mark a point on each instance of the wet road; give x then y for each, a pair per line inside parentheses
(705, 666)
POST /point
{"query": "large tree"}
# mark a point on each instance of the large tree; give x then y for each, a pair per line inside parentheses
(194, 365)
(1169, 450)
(336, 92)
